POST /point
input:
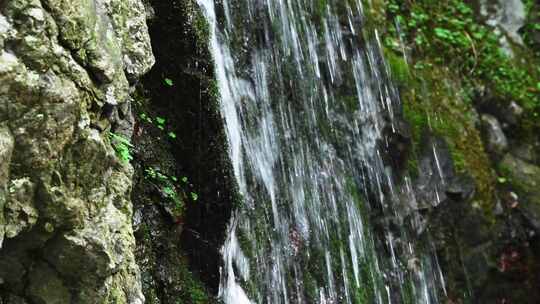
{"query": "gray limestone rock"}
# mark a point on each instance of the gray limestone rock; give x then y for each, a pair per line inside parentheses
(64, 193)
(525, 177)
(6, 149)
(507, 17)
(494, 136)
(19, 211)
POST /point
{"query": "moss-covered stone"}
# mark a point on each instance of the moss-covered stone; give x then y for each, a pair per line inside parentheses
(46, 287)
(451, 67)
(6, 150)
(525, 179)
(64, 194)
(431, 104)
(19, 211)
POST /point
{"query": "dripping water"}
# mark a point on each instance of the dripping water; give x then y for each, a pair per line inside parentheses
(306, 101)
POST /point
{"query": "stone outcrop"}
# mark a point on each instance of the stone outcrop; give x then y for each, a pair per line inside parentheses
(507, 17)
(66, 68)
(496, 141)
(525, 178)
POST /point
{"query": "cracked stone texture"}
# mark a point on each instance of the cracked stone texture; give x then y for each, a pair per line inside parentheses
(66, 67)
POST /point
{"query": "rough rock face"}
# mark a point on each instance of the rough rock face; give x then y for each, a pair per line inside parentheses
(526, 178)
(507, 16)
(495, 139)
(65, 214)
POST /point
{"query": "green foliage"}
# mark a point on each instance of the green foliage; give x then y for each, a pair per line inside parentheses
(171, 187)
(146, 118)
(193, 290)
(399, 67)
(502, 180)
(447, 33)
(168, 82)
(202, 30)
(532, 26)
(158, 122)
(122, 146)
(451, 56)
(167, 185)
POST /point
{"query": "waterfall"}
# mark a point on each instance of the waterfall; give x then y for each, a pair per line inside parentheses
(306, 100)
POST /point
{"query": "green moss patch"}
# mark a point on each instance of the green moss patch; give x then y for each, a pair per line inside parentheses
(432, 100)
(449, 35)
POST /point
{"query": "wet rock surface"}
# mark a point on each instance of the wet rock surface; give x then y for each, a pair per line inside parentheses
(65, 210)
(525, 178)
(178, 242)
(496, 141)
(490, 255)
(508, 113)
(473, 176)
(435, 173)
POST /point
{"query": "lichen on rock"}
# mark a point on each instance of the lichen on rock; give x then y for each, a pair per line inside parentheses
(65, 211)
(19, 211)
(6, 149)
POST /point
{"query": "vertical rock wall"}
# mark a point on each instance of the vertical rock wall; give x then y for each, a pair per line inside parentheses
(468, 79)
(66, 68)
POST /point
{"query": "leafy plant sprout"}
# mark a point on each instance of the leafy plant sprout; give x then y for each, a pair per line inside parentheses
(168, 82)
(122, 146)
(169, 184)
(159, 122)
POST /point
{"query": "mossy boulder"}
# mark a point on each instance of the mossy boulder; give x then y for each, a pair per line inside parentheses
(66, 67)
(45, 286)
(525, 178)
(6, 150)
(19, 210)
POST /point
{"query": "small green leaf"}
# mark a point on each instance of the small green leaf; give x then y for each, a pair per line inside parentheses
(443, 33)
(174, 178)
(160, 120)
(168, 82)
(184, 179)
(501, 179)
(172, 135)
(122, 146)
(121, 139)
(151, 172)
(169, 191)
(194, 196)
(161, 176)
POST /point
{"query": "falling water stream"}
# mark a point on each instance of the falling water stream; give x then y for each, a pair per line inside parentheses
(307, 102)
